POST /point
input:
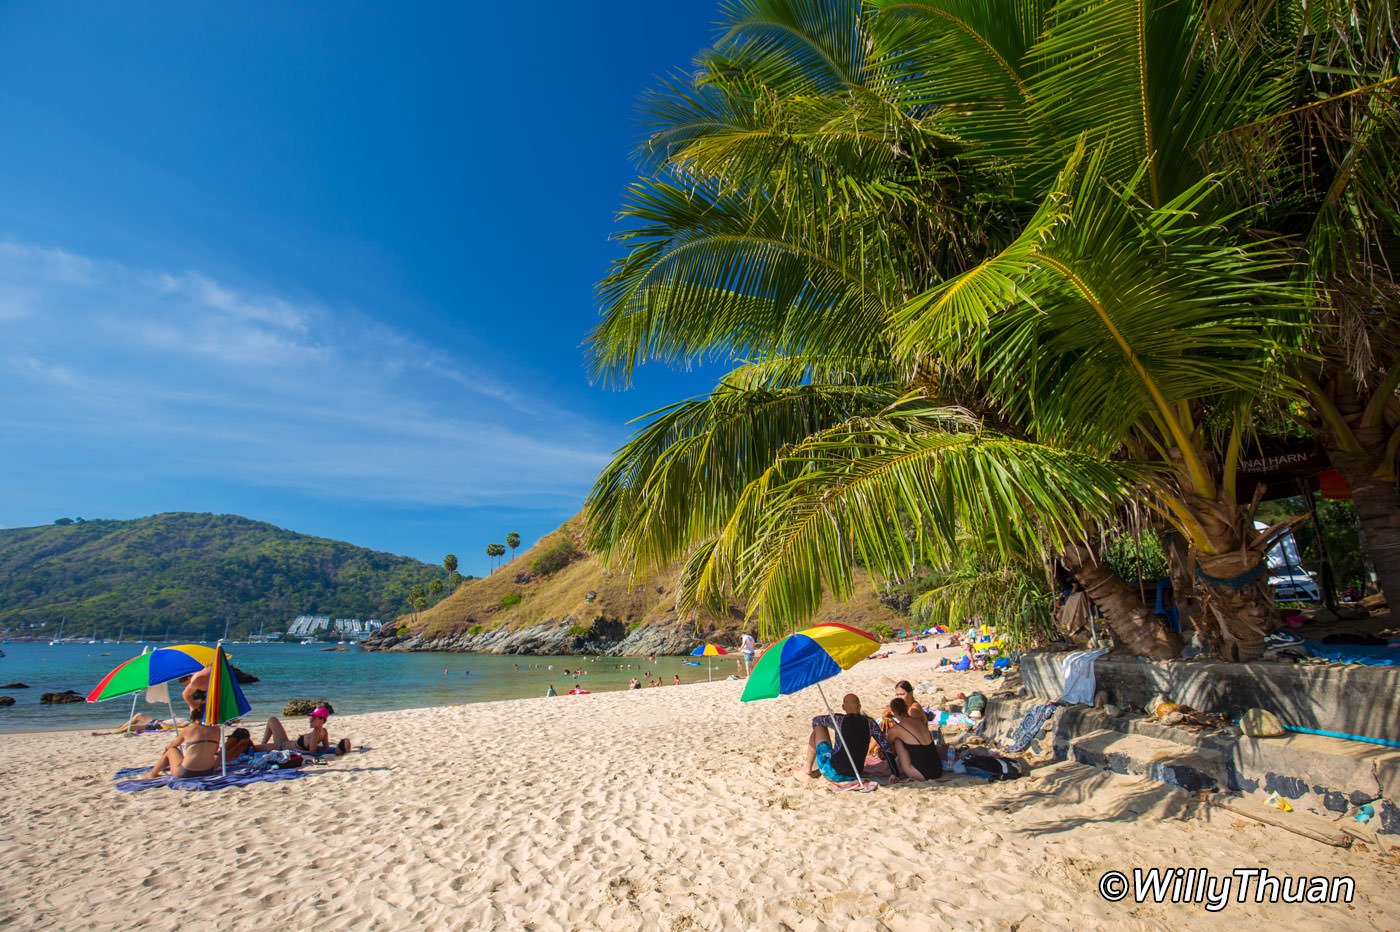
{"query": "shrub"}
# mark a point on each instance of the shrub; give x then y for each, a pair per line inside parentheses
(509, 599)
(579, 631)
(474, 629)
(555, 558)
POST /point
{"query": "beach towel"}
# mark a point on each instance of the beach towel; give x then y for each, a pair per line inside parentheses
(127, 781)
(1372, 655)
(1029, 728)
(1079, 677)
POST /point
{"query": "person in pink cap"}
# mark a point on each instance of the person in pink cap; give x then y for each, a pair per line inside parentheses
(316, 740)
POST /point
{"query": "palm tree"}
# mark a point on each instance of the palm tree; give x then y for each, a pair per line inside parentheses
(808, 206)
(416, 601)
(513, 541)
(493, 551)
(435, 588)
(449, 563)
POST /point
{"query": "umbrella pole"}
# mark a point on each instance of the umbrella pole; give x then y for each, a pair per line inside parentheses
(223, 757)
(132, 715)
(709, 670)
(860, 781)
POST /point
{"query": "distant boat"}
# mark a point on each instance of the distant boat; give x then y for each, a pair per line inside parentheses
(59, 639)
(309, 641)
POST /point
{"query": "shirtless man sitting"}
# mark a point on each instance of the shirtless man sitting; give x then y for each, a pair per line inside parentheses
(200, 754)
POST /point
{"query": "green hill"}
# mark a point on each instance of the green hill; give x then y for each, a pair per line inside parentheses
(189, 574)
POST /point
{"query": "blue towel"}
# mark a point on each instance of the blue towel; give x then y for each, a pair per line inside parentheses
(1372, 654)
(127, 783)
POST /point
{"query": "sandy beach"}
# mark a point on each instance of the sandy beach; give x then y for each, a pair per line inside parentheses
(665, 808)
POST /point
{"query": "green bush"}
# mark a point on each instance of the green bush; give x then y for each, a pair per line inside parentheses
(509, 599)
(403, 632)
(578, 631)
(555, 558)
(474, 629)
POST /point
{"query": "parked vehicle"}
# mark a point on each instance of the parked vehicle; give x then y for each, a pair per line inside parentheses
(1295, 587)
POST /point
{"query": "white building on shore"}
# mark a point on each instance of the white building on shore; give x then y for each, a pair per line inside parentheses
(349, 628)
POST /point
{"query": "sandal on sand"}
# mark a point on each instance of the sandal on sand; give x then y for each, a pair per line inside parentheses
(863, 786)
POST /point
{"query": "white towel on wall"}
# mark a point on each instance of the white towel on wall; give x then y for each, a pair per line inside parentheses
(1079, 676)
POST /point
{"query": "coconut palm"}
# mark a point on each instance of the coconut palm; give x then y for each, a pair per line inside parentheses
(1018, 209)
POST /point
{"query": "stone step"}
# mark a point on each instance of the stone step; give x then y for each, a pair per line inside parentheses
(1167, 762)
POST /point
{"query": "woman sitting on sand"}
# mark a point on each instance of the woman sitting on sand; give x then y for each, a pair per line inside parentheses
(193, 753)
(905, 690)
(314, 741)
(914, 746)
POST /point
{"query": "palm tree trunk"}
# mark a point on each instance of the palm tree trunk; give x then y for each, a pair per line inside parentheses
(1231, 579)
(1128, 617)
(1378, 512)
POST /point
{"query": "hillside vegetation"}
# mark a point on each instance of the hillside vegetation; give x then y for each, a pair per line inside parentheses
(559, 578)
(191, 573)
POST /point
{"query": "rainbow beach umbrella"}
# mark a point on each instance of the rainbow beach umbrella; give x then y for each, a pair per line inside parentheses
(805, 659)
(223, 699)
(151, 669)
(709, 650)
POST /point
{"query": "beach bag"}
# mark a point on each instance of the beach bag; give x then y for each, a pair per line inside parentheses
(976, 704)
(990, 767)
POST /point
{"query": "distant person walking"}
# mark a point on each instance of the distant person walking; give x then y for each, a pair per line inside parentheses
(747, 645)
(550, 691)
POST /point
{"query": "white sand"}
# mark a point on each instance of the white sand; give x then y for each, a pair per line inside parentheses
(668, 808)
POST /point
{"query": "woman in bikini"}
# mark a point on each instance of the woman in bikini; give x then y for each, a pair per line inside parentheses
(914, 746)
(317, 739)
(200, 754)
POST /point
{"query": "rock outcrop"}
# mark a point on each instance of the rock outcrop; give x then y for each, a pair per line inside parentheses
(606, 636)
(63, 698)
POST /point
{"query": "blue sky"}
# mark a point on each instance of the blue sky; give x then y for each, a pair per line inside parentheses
(324, 265)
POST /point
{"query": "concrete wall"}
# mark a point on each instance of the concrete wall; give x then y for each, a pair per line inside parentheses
(1350, 699)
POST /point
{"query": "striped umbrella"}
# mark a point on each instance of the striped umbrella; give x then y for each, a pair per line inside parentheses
(709, 650)
(805, 659)
(223, 699)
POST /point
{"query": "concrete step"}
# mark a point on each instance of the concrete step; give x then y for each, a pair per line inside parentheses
(1327, 775)
(1167, 762)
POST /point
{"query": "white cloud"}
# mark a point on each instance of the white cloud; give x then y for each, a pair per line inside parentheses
(178, 375)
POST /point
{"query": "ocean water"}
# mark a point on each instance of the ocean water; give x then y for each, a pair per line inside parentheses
(353, 681)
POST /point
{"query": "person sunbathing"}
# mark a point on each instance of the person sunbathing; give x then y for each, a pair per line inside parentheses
(914, 746)
(137, 724)
(193, 753)
(275, 736)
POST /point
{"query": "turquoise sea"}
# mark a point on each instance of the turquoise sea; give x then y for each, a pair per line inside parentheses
(353, 681)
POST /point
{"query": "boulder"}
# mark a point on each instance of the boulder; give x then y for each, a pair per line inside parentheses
(14, 686)
(63, 698)
(243, 676)
(1260, 723)
(297, 707)
(7, 700)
